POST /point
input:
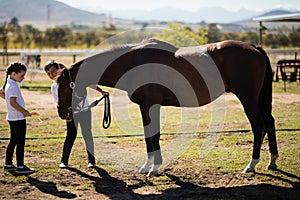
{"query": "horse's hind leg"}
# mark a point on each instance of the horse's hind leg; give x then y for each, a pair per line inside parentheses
(269, 123)
(151, 123)
(254, 115)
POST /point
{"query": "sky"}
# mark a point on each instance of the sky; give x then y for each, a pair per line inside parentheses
(189, 5)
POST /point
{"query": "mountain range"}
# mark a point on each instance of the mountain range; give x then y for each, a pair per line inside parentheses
(38, 12)
(45, 13)
(209, 14)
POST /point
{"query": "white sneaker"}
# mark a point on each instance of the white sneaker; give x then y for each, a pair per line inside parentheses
(63, 165)
(91, 165)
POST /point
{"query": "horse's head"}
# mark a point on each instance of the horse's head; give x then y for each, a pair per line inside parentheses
(65, 89)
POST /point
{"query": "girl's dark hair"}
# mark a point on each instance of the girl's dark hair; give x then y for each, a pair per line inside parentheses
(53, 63)
(16, 67)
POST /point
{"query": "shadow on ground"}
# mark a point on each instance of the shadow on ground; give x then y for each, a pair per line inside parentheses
(115, 188)
(50, 188)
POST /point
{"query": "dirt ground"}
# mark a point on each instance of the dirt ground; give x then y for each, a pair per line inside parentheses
(182, 178)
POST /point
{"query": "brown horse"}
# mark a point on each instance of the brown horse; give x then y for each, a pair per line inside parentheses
(155, 74)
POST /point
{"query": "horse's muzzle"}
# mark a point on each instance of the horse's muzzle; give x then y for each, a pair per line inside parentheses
(65, 113)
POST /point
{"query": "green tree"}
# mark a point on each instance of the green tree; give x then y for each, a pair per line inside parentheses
(14, 22)
(78, 39)
(269, 40)
(180, 35)
(58, 37)
(91, 39)
(294, 36)
(231, 36)
(214, 33)
(283, 40)
(250, 37)
(30, 35)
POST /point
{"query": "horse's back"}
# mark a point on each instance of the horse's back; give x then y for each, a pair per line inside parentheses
(241, 65)
(154, 43)
(229, 65)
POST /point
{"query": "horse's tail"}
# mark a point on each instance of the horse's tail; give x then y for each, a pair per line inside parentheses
(265, 97)
(265, 102)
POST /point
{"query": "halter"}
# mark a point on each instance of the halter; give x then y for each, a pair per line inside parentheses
(106, 115)
(72, 83)
(69, 109)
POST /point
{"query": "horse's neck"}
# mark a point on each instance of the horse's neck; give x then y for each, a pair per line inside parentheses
(109, 66)
(74, 71)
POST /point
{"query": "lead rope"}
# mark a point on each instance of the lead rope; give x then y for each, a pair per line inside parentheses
(106, 115)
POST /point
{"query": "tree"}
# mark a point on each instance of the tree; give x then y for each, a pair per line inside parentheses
(283, 40)
(180, 35)
(250, 37)
(214, 33)
(14, 22)
(4, 37)
(269, 41)
(90, 39)
(231, 36)
(294, 36)
(30, 34)
(58, 37)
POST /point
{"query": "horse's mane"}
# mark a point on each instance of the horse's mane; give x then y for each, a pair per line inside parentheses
(143, 44)
(77, 64)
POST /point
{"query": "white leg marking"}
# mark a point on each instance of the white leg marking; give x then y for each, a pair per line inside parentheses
(146, 166)
(153, 171)
(251, 166)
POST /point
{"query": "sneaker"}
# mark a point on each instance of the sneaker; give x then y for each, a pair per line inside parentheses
(63, 165)
(91, 165)
(24, 170)
(9, 168)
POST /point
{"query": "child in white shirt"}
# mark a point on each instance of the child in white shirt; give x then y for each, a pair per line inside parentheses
(16, 118)
(53, 70)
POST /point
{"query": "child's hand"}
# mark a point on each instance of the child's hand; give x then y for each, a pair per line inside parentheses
(34, 113)
(97, 88)
(104, 92)
(26, 113)
(2, 93)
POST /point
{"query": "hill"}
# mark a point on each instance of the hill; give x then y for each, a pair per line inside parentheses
(209, 14)
(46, 13)
(248, 23)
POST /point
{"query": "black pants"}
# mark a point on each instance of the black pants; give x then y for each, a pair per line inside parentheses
(84, 119)
(17, 138)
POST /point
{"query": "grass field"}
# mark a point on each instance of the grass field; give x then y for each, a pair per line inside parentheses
(207, 166)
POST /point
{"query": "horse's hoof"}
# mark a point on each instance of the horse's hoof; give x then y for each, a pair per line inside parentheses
(248, 169)
(153, 173)
(143, 170)
(271, 167)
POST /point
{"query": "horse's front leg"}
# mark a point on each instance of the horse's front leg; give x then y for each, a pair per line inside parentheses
(151, 123)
